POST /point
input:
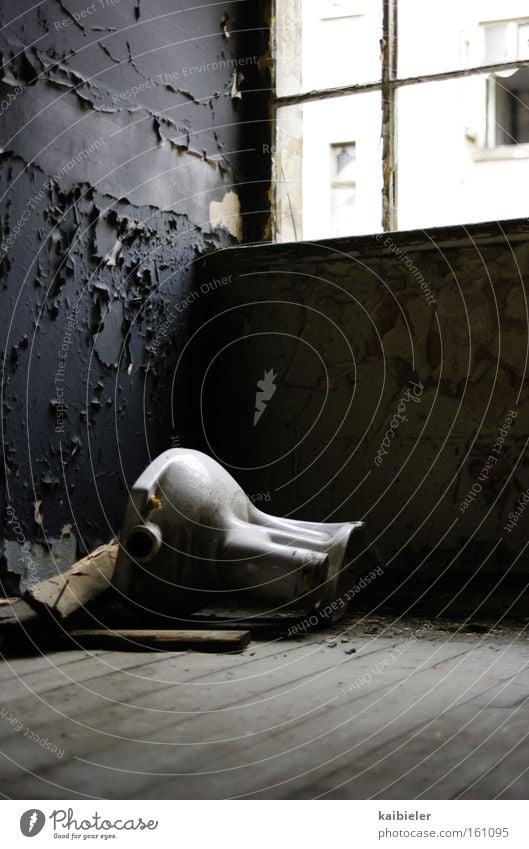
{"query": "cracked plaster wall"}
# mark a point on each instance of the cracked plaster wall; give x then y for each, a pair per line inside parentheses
(127, 150)
(345, 327)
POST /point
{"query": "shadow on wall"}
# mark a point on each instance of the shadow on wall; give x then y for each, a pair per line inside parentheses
(382, 379)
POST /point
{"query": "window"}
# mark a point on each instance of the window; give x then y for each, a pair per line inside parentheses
(435, 97)
(508, 109)
(343, 188)
(507, 41)
(507, 97)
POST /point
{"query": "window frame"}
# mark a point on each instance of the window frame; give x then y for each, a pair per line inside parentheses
(388, 85)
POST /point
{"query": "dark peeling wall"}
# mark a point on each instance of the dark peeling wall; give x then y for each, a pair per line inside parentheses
(397, 361)
(127, 151)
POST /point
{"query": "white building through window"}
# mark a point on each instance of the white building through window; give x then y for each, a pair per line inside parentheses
(435, 97)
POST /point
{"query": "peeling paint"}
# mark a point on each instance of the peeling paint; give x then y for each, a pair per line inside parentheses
(37, 562)
(227, 214)
(112, 257)
(112, 155)
(37, 514)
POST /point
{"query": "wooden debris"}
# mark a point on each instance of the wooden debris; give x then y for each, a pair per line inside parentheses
(18, 612)
(63, 594)
(163, 640)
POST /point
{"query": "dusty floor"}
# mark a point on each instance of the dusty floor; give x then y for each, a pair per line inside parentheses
(372, 707)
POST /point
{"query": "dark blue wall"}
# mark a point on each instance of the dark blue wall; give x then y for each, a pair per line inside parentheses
(121, 123)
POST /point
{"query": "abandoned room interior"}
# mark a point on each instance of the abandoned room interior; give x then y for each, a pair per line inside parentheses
(264, 400)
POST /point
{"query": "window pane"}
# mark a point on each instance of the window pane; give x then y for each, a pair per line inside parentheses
(328, 168)
(461, 169)
(456, 34)
(496, 46)
(508, 108)
(327, 43)
(496, 49)
(435, 37)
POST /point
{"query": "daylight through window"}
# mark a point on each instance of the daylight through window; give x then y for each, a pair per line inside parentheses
(399, 114)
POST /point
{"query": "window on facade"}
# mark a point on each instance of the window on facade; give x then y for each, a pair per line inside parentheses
(343, 187)
(508, 109)
(507, 41)
(397, 114)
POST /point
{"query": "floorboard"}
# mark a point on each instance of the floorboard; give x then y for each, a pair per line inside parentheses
(363, 711)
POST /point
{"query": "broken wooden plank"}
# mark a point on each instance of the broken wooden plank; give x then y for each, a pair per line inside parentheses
(63, 594)
(162, 640)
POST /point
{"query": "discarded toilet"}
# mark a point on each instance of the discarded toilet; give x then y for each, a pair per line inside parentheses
(192, 537)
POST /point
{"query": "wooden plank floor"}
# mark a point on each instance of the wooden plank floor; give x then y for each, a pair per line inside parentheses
(369, 709)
